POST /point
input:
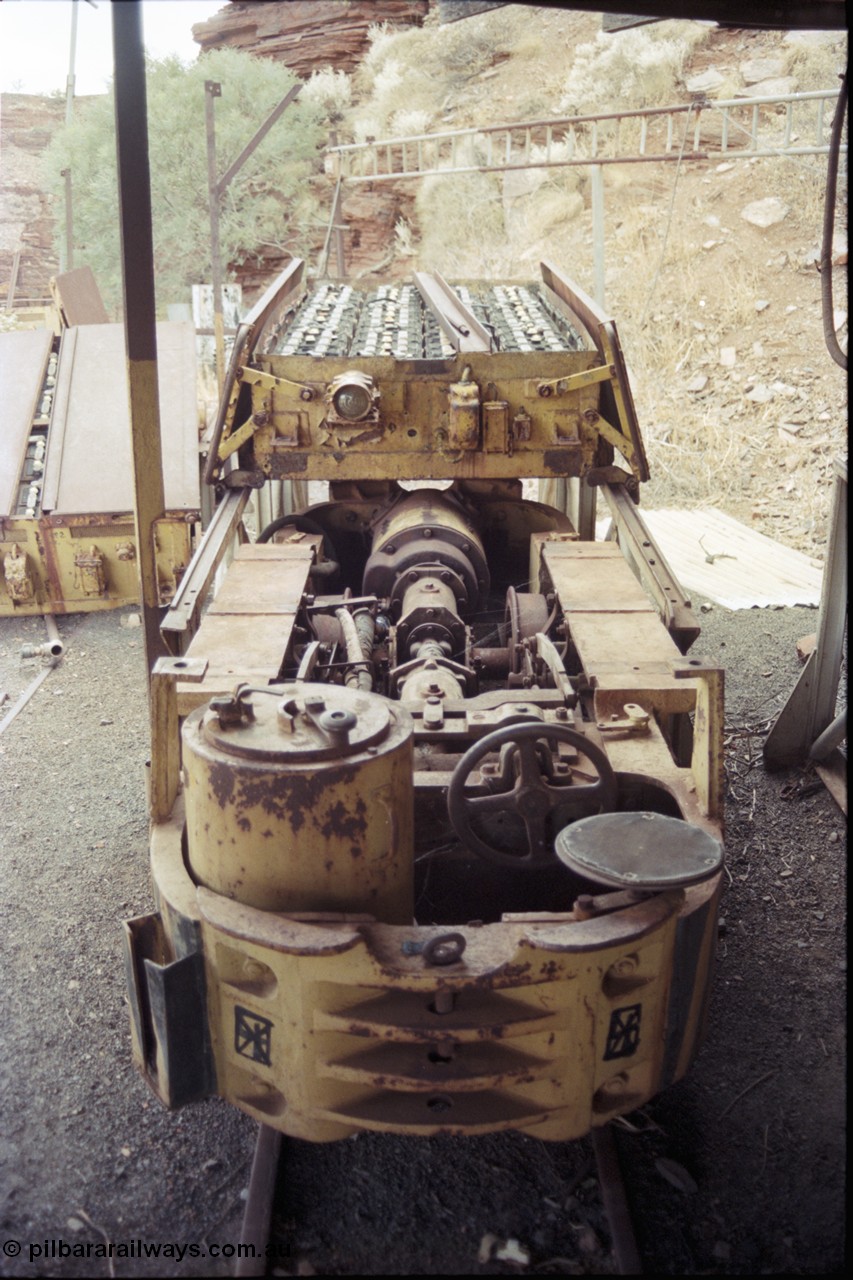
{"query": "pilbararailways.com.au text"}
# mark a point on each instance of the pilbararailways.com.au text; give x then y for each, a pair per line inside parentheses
(57, 1248)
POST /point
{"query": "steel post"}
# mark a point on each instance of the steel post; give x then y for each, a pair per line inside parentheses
(69, 221)
(810, 708)
(139, 306)
(214, 90)
(596, 173)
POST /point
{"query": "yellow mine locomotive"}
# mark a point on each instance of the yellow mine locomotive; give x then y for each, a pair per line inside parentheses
(436, 795)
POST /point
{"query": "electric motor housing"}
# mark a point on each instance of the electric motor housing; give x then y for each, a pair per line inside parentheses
(299, 798)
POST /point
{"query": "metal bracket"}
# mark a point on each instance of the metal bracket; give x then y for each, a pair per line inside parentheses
(165, 740)
(647, 560)
(576, 382)
(636, 721)
(707, 763)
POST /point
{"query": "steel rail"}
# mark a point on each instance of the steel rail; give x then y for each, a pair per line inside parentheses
(257, 1218)
(255, 1236)
(616, 1202)
(31, 688)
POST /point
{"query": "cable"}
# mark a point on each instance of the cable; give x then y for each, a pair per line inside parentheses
(830, 336)
(653, 285)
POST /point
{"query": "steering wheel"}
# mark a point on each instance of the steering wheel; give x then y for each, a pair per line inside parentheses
(531, 796)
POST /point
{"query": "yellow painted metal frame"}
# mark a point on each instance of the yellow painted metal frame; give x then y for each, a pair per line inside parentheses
(344, 1030)
(533, 413)
(325, 1024)
(52, 544)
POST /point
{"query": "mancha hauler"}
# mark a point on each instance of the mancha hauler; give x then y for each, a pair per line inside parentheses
(436, 795)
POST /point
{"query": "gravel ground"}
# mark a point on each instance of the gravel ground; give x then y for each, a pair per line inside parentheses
(87, 1155)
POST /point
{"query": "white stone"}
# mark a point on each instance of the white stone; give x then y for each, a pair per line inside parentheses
(707, 82)
(812, 38)
(761, 304)
(728, 357)
(699, 383)
(755, 69)
(778, 88)
(766, 212)
(724, 167)
(513, 1251)
(760, 394)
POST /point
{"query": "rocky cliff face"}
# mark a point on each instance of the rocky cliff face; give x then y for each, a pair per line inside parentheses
(306, 35)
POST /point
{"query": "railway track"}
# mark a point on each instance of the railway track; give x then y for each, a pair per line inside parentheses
(593, 1202)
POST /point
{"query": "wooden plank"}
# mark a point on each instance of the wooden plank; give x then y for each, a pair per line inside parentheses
(621, 640)
(245, 634)
(238, 648)
(257, 551)
(567, 546)
(257, 590)
(79, 298)
(584, 584)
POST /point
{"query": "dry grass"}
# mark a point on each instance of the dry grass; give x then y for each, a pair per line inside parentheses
(409, 76)
(639, 67)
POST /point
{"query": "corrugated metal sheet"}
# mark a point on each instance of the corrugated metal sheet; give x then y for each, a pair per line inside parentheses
(717, 558)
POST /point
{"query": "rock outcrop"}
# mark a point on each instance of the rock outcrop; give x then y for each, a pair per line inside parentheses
(306, 35)
(26, 214)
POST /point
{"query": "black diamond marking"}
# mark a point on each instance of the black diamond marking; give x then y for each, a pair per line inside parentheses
(252, 1036)
(623, 1035)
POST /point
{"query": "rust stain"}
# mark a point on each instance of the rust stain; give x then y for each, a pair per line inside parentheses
(560, 462)
(341, 822)
(293, 798)
(222, 783)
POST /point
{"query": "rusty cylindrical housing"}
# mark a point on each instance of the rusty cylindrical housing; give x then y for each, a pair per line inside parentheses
(427, 528)
(299, 799)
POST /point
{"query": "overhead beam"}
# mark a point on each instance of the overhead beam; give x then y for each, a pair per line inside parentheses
(782, 15)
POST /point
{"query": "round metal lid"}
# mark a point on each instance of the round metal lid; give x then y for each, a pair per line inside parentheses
(639, 851)
(296, 723)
